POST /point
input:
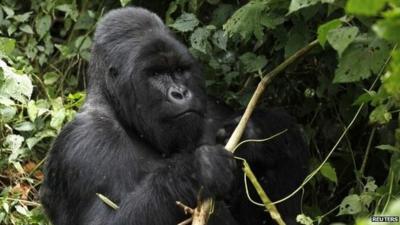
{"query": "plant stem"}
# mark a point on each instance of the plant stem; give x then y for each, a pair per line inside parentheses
(367, 150)
(202, 212)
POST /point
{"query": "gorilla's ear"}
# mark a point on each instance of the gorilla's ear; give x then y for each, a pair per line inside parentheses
(113, 72)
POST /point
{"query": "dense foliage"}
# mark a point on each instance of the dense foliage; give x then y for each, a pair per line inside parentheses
(345, 93)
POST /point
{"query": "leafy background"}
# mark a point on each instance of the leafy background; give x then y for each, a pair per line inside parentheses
(351, 79)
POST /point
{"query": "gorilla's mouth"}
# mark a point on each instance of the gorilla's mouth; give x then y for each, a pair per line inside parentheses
(189, 112)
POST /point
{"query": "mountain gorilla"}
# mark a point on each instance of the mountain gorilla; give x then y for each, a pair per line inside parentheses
(136, 139)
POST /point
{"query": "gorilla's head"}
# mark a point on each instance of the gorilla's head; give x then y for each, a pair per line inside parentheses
(149, 78)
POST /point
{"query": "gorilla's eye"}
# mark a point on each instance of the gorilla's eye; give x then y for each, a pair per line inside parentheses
(113, 72)
(181, 69)
(156, 73)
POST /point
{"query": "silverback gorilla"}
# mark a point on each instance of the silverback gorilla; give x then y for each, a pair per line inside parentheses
(146, 137)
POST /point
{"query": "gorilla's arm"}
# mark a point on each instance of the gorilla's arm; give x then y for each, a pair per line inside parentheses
(280, 164)
(95, 155)
(153, 199)
(288, 145)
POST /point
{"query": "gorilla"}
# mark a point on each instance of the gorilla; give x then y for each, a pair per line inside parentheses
(148, 136)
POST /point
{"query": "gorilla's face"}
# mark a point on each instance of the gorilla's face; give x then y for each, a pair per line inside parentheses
(160, 90)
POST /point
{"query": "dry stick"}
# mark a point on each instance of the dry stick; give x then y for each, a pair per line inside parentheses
(186, 222)
(201, 213)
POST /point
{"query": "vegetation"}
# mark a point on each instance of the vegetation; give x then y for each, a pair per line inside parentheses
(345, 93)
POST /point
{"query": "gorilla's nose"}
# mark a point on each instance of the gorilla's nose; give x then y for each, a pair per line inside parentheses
(179, 95)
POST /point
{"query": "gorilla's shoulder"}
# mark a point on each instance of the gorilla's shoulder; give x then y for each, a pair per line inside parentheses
(95, 121)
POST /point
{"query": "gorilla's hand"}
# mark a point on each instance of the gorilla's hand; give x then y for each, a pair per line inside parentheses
(252, 131)
(256, 153)
(215, 169)
(267, 153)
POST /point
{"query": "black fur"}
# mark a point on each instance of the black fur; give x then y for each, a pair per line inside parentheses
(280, 165)
(137, 139)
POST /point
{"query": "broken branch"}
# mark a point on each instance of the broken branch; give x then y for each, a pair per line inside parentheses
(202, 212)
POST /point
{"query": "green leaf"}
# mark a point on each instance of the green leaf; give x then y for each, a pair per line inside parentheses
(303, 219)
(360, 60)
(365, 98)
(389, 27)
(365, 7)
(380, 115)
(220, 40)
(10, 12)
(11, 29)
(299, 37)
(42, 106)
(221, 14)
(199, 39)
(7, 113)
(186, 22)
(66, 51)
(50, 78)
(7, 45)
(13, 142)
(329, 172)
(366, 199)
(31, 142)
(252, 62)
(67, 8)
(57, 119)
(22, 210)
(124, 2)
(389, 148)
(295, 5)
(85, 21)
(370, 186)
(23, 17)
(24, 126)
(16, 86)
(251, 19)
(194, 5)
(272, 22)
(57, 104)
(229, 77)
(43, 25)
(32, 110)
(391, 79)
(26, 28)
(341, 38)
(70, 114)
(350, 205)
(5, 100)
(6, 207)
(325, 28)
(70, 10)
(82, 43)
(394, 208)
(173, 6)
